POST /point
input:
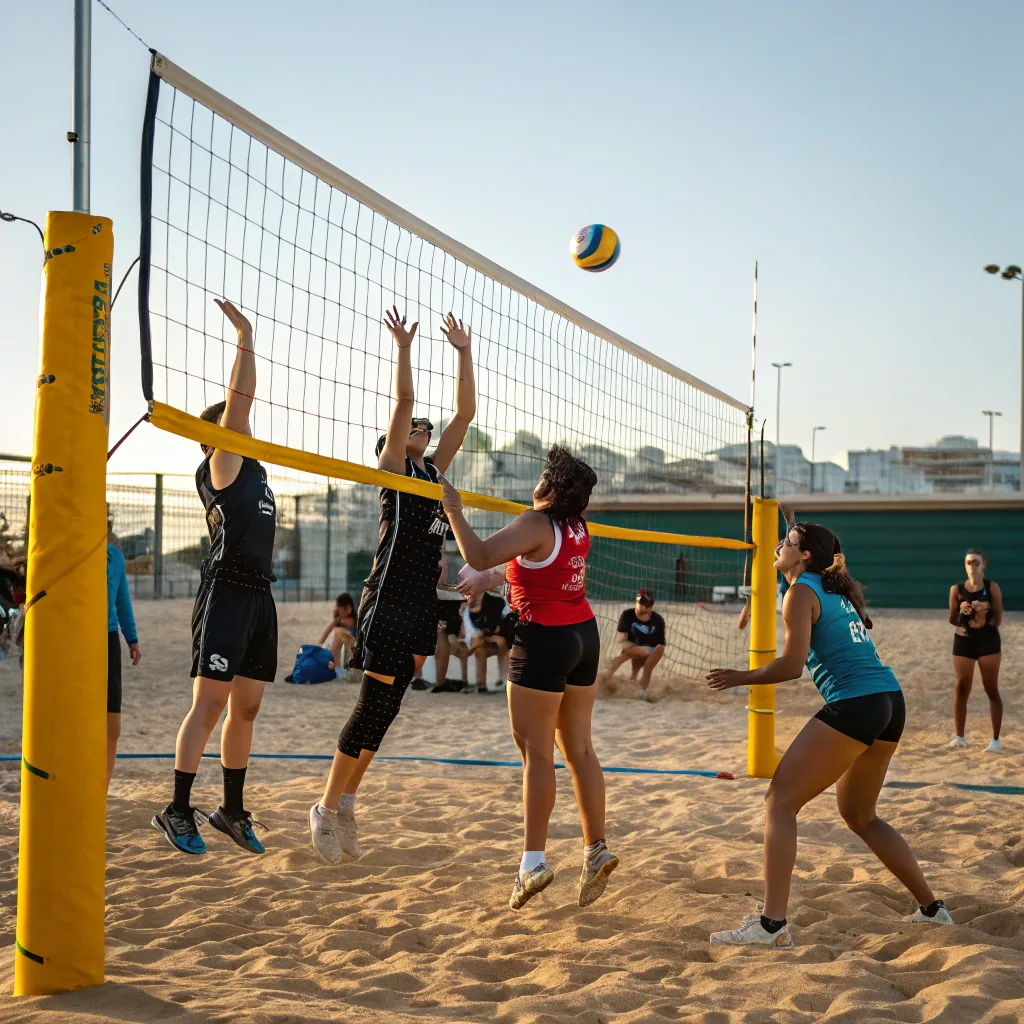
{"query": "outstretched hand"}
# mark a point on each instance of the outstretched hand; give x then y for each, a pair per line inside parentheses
(450, 497)
(474, 581)
(396, 325)
(237, 319)
(726, 678)
(458, 334)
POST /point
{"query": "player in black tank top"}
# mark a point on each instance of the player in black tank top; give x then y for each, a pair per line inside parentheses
(975, 612)
(397, 627)
(234, 621)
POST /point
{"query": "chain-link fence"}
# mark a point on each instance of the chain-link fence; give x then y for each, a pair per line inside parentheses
(326, 532)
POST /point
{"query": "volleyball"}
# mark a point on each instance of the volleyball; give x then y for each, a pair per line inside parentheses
(595, 247)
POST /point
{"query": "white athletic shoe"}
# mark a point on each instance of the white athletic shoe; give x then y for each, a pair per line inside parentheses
(957, 743)
(646, 697)
(536, 881)
(941, 917)
(594, 877)
(994, 747)
(323, 831)
(348, 834)
(750, 933)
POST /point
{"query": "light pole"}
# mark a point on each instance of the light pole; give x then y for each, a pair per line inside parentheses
(991, 453)
(1014, 273)
(814, 438)
(778, 419)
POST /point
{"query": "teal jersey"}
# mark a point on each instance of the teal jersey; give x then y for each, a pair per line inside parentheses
(842, 658)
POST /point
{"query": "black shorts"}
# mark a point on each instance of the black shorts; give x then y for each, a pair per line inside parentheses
(553, 657)
(977, 645)
(393, 626)
(875, 716)
(114, 673)
(449, 616)
(234, 631)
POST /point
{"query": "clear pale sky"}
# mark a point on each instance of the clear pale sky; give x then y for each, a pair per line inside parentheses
(869, 155)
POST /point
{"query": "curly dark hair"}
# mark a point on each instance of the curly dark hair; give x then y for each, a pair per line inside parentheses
(828, 560)
(568, 481)
(212, 414)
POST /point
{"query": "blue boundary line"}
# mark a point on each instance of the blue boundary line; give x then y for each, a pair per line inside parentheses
(610, 769)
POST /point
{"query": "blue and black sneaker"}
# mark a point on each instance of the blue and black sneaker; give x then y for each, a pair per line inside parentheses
(239, 828)
(181, 830)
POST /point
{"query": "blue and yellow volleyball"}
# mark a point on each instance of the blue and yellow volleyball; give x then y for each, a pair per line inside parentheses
(595, 247)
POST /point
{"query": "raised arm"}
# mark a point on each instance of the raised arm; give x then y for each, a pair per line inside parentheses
(224, 466)
(460, 337)
(526, 535)
(392, 458)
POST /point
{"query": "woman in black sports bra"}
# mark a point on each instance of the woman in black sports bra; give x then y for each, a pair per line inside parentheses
(976, 610)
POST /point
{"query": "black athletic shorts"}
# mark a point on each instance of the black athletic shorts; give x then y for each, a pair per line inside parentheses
(449, 616)
(553, 657)
(977, 645)
(876, 716)
(234, 631)
(114, 673)
(393, 626)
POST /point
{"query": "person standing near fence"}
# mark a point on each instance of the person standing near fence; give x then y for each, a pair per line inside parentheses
(234, 622)
(119, 614)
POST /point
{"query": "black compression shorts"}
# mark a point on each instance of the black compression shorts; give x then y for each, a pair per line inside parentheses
(114, 673)
(234, 631)
(978, 645)
(553, 657)
(875, 716)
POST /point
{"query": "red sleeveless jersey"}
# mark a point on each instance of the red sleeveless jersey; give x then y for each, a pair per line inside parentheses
(553, 592)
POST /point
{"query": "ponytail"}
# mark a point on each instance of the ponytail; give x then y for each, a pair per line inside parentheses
(836, 579)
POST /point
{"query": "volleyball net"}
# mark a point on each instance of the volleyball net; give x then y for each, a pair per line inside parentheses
(233, 208)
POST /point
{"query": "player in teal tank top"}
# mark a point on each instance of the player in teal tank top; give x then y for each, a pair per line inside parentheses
(848, 743)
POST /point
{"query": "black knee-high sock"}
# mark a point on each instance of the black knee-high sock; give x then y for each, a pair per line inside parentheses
(234, 783)
(183, 790)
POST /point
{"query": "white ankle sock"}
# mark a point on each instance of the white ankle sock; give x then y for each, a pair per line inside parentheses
(347, 803)
(531, 859)
(593, 849)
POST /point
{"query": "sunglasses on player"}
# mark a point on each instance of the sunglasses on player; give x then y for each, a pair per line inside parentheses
(421, 423)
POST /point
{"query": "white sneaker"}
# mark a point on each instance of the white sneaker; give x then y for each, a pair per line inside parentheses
(525, 889)
(646, 697)
(323, 831)
(994, 747)
(348, 834)
(957, 743)
(750, 933)
(594, 877)
(941, 917)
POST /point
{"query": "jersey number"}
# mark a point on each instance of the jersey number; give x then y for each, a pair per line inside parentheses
(858, 633)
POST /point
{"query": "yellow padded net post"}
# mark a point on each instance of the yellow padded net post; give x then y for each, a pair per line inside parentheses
(762, 758)
(59, 941)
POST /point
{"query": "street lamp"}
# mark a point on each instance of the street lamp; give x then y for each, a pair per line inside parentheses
(814, 438)
(991, 453)
(778, 420)
(1014, 273)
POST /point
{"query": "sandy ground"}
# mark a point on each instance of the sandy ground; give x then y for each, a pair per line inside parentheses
(419, 928)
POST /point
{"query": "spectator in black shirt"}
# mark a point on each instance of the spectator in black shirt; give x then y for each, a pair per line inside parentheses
(640, 635)
(492, 634)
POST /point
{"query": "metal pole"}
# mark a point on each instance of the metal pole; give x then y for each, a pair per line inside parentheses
(778, 426)
(158, 537)
(81, 115)
(1022, 383)
(297, 562)
(814, 441)
(327, 545)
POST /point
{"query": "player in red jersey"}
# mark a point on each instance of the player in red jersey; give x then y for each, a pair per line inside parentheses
(554, 659)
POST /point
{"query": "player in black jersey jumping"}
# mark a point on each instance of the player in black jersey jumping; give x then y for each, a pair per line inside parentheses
(234, 623)
(397, 623)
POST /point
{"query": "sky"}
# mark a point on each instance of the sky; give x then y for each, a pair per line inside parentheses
(869, 156)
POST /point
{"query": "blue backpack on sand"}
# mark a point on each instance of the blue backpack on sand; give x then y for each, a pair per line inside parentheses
(312, 665)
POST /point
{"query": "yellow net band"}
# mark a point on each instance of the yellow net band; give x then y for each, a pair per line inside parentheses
(174, 421)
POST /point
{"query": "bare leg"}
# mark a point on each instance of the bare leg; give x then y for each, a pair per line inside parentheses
(480, 657)
(989, 668)
(113, 735)
(236, 735)
(502, 645)
(572, 735)
(615, 664)
(209, 698)
(818, 757)
(650, 662)
(963, 669)
(441, 656)
(856, 794)
(533, 714)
